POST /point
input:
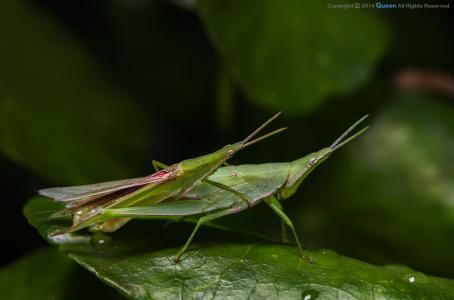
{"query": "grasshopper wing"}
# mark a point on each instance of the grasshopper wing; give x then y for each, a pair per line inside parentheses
(85, 193)
(75, 193)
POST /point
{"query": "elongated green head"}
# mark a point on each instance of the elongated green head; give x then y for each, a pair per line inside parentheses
(231, 149)
(203, 165)
(301, 168)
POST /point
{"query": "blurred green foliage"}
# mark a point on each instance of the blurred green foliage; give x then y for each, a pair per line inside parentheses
(295, 53)
(61, 115)
(45, 273)
(93, 91)
(15, 277)
(399, 182)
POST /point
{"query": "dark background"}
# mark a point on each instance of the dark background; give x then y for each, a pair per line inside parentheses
(155, 81)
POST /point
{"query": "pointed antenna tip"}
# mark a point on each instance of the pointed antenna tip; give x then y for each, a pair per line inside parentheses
(276, 115)
(351, 138)
(340, 140)
(249, 137)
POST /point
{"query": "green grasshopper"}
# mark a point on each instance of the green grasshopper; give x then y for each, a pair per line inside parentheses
(86, 203)
(233, 189)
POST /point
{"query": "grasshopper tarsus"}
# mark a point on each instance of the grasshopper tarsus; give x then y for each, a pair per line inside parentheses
(309, 259)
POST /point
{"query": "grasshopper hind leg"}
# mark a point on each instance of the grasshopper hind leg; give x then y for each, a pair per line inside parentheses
(204, 219)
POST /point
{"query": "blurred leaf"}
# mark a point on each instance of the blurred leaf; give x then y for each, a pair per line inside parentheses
(391, 196)
(48, 274)
(411, 33)
(60, 115)
(41, 274)
(290, 55)
(138, 260)
(164, 55)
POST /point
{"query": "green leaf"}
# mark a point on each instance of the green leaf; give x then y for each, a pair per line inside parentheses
(138, 261)
(41, 274)
(290, 55)
(61, 116)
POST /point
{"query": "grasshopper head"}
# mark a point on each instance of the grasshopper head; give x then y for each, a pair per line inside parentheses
(313, 160)
(302, 167)
(231, 149)
(211, 161)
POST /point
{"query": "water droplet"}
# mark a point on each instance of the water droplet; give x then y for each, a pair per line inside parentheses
(101, 241)
(69, 238)
(327, 252)
(61, 238)
(415, 278)
(310, 294)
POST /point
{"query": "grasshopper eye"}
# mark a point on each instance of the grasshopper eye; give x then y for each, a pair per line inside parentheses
(312, 161)
(230, 152)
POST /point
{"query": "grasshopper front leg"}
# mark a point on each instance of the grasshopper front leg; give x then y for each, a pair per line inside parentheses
(276, 207)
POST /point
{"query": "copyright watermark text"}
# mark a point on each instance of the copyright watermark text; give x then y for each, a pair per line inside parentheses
(386, 5)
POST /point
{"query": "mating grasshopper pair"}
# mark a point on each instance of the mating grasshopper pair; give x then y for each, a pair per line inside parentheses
(197, 187)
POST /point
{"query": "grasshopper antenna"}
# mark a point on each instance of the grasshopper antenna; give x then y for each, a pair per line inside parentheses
(340, 140)
(249, 137)
(264, 136)
(248, 140)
